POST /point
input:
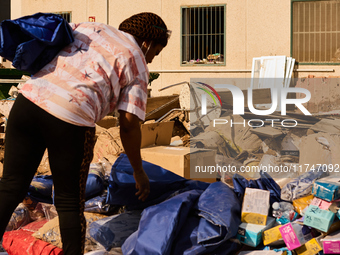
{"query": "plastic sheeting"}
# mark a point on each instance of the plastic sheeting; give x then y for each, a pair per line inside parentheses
(302, 186)
(112, 231)
(193, 222)
(180, 216)
(163, 184)
(31, 42)
(42, 185)
(41, 188)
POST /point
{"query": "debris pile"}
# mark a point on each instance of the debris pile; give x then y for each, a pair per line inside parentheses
(274, 188)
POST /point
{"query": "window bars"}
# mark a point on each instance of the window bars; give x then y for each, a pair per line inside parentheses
(203, 34)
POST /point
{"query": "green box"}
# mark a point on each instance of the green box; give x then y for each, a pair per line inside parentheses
(318, 218)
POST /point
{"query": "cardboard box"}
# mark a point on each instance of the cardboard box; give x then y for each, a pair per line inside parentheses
(301, 204)
(255, 206)
(322, 204)
(327, 188)
(331, 243)
(156, 133)
(334, 227)
(251, 234)
(179, 160)
(272, 235)
(318, 218)
(293, 235)
(312, 247)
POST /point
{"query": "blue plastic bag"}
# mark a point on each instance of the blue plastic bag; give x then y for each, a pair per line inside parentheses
(32, 41)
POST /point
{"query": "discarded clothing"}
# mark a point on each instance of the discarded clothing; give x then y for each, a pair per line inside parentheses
(32, 41)
(20, 242)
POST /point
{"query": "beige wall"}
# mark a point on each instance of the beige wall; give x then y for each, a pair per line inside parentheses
(254, 29)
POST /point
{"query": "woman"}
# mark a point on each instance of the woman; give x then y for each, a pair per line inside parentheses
(102, 70)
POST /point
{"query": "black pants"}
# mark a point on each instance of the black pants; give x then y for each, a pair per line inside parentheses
(30, 130)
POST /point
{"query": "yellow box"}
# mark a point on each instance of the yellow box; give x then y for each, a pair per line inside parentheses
(312, 247)
(272, 235)
(301, 203)
(255, 206)
(254, 218)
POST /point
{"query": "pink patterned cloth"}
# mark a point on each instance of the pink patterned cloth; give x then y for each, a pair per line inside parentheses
(102, 70)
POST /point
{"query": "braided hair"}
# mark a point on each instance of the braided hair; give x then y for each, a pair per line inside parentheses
(146, 26)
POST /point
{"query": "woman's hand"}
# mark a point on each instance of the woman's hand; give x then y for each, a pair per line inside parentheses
(142, 185)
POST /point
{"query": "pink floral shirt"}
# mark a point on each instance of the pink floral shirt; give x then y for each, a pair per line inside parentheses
(102, 70)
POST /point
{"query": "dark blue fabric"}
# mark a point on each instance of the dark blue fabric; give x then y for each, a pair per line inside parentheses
(94, 185)
(163, 184)
(32, 41)
(193, 222)
(112, 231)
(265, 182)
(41, 187)
(160, 224)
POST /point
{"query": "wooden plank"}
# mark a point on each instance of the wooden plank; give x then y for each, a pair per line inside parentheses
(266, 132)
(11, 81)
(156, 102)
(163, 109)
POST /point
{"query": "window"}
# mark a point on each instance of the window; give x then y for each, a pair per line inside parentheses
(65, 15)
(203, 35)
(316, 31)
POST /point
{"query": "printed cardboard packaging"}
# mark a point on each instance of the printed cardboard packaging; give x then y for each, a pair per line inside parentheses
(310, 248)
(327, 188)
(255, 206)
(251, 234)
(331, 243)
(294, 236)
(272, 235)
(318, 218)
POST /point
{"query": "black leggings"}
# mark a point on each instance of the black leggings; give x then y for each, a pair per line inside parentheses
(30, 130)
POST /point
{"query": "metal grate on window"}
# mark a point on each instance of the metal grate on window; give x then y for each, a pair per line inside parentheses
(316, 31)
(203, 35)
(65, 15)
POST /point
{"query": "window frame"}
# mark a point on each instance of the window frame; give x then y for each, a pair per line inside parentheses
(224, 35)
(62, 13)
(291, 35)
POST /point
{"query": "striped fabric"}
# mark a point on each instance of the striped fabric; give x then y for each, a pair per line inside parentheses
(102, 70)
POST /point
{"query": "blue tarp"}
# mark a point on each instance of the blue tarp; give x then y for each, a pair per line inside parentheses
(41, 187)
(31, 42)
(193, 222)
(163, 184)
(112, 231)
(180, 216)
